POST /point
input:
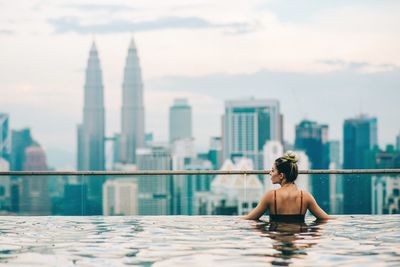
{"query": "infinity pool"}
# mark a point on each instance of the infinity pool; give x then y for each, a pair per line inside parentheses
(198, 241)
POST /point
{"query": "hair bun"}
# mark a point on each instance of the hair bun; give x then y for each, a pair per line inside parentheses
(291, 156)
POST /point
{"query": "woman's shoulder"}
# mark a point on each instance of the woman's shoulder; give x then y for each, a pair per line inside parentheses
(307, 195)
(268, 195)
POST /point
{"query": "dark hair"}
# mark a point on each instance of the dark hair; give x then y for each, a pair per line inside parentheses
(287, 164)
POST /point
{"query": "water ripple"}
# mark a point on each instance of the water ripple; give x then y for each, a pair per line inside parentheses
(198, 241)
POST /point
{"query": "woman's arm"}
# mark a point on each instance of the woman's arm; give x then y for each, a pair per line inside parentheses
(316, 210)
(261, 207)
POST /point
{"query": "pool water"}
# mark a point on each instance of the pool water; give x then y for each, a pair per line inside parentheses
(198, 241)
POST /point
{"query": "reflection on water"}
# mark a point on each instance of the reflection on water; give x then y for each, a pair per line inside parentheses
(290, 240)
(198, 241)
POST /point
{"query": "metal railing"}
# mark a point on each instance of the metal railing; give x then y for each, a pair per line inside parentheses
(189, 172)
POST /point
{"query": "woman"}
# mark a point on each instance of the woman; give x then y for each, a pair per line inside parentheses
(288, 203)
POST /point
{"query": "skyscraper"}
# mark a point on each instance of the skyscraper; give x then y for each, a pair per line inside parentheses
(180, 120)
(5, 143)
(91, 133)
(190, 184)
(398, 142)
(335, 180)
(386, 188)
(154, 191)
(359, 137)
(313, 139)
(34, 193)
(132, 113)
(5, 140)
(247, 125)
(75, 200)
(182, 153)
(5, 186)
(20, 141)
(215, 152)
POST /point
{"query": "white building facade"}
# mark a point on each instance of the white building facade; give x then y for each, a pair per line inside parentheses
(248, 125)
(120, 197)
(230, 194)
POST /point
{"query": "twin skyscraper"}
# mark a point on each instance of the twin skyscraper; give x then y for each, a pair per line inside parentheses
(91, 133)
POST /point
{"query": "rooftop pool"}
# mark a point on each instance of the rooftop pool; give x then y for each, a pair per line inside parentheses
(364, 240)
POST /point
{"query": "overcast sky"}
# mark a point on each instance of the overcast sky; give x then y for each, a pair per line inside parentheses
(324, 60)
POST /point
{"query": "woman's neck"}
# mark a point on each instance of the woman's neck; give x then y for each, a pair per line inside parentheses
(287, 185)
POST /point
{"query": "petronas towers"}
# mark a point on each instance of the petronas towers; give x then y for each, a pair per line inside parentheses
(132, 113)
(91, 133)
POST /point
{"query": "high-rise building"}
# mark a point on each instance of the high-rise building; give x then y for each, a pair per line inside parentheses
(5, 186)
(186, 186)
(5, 140)
(148, 139)
(359, 139)
(91, 133)
(398, 142)
(75, 199)
(313, 139)
(180, 120)
(120, 197)
(20, 141)
(154, 191)
(215, 152)
(132, 113)
(248, 125)
(116, 147)
(385, 195)
(386, 188)
(34, 194)
(334, 154)
(335, 180)
(183, 153)
(5, 144)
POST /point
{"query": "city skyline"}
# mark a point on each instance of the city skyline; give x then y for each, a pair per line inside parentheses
(253, 49)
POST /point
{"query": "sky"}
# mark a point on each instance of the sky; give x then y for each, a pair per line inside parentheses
(323, 60)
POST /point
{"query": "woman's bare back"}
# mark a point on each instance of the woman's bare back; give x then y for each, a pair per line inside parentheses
(289, 201)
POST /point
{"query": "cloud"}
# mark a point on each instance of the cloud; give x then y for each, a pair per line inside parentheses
(6, 32)
(358, 66)
(301, 11)
(73, 24)
(101, 8)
